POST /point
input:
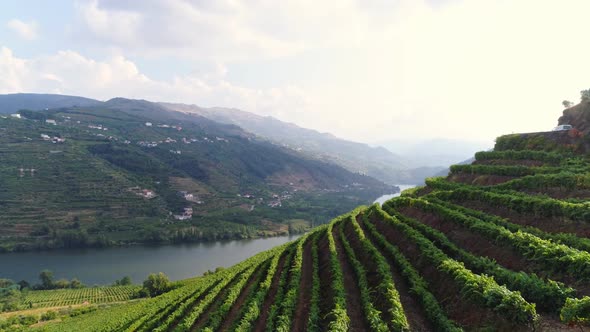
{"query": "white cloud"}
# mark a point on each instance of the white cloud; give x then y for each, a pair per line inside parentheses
(463, 69)
(363, 69)
(26, 30)
(68, 72)
(213, 30)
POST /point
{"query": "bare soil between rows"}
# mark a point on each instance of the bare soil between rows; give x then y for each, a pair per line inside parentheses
(301, 314)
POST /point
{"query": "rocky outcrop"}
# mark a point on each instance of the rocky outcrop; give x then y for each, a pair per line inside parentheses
(578, 116)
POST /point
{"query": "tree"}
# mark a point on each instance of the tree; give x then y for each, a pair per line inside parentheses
(61, 283)
(126, 280)
(75, 283)
(46, 278)
(5, 283)
(567, 103)
(585, 95)
(24, 284)
(156, 284)
(10, 300)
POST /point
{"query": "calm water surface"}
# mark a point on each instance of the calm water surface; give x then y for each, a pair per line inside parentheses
(402, 187)
(104, 266)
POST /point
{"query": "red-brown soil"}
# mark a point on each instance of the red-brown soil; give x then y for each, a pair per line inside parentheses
(414, 311)
(353, 293)
(270, 297)
(251, 286)
(204, 317)
(466, 313)
(480, 179)
(511, 162)
(482, 246)
(195, 303)
(559, 193)
(547, 224)
(304, 300)
(472, 241)
(326, 290)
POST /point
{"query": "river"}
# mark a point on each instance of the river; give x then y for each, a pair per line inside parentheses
(402, 187)
(104, 266)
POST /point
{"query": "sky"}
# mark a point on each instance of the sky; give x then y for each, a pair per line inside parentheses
(365, 70)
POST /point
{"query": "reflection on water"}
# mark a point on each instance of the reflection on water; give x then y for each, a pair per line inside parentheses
(104, 266)
(385, 198)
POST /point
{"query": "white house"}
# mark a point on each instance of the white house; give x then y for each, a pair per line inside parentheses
(148, 124)
(16, 115)
(51, 122)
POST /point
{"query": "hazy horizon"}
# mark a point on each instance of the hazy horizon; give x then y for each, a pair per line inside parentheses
(366, 71)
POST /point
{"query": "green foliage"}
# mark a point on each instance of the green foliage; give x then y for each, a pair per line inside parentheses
(216, 318)
(46, 278)
(548, 157)
(68, 297)
(478, 287)
(548, 295)
(488, 287)
(156, 284)
(339, 319)
(576, 311)
(554, 256)
(49, 315)
(33, 115)
(419, 286)
(539, 142)
(125, 281)
(10, 299)
(502, 170)
(314, 310)
(86, 189)
(387, 286)
(568, 239)
(518, 202)
(284, 319)
(76, 284)
(282, 289)
(254, 305)
(373, 316)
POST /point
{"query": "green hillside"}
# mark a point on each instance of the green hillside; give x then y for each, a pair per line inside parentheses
(499, 245)
(125, 172)
(376, 162)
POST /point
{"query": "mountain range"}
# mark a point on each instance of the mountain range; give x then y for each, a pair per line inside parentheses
(378, 162)
(126, 171)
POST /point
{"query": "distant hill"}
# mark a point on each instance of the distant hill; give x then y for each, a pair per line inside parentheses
(377, 162)
(438, 152)
(124, 171)
(12, 103)
(446, 171)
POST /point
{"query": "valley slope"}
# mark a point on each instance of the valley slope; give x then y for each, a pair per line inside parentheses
(376, 162)
(129, 171)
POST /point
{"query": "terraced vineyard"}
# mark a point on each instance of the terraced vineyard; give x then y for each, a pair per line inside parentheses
(502, 244)
(67, 297)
